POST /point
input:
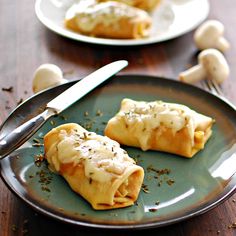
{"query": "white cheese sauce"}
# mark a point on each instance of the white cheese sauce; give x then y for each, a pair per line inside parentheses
(106, 13)
(102, 157)
(143, 117)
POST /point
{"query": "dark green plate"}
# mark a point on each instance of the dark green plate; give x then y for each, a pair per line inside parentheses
(189, 188)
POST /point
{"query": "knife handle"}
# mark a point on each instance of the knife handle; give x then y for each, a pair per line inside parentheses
(22, 133)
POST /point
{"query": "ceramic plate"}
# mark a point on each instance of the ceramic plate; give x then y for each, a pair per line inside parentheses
(173, 18)
(192, 187)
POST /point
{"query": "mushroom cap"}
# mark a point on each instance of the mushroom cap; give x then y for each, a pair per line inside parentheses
(215, 64)
(47, 75)
(209, 34)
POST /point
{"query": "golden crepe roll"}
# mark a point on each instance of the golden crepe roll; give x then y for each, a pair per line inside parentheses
(147, 5)
(109, 20)
(160, 126)
(94, 166)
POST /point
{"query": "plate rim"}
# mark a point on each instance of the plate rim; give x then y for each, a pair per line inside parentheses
(113, 42)
(212, 204)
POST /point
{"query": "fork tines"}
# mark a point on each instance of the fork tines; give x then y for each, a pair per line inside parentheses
(213, 87)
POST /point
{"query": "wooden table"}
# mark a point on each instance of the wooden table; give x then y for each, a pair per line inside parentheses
(25, 44)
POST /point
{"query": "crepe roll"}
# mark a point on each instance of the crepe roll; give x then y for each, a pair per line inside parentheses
(161, 126)
(147, 5)
(94, 166)
(109, 20)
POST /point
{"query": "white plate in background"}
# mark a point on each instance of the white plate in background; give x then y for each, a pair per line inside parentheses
(170, 20)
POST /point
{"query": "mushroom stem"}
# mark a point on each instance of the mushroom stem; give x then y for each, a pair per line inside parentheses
(222, 44)
(193, 75)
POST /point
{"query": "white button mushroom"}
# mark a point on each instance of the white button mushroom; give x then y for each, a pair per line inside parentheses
(212, 65)
(210, 35)
(46, 76)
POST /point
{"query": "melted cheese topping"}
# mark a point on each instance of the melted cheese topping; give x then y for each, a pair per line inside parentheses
(128, 2)
(145, 4)
(102, 157)
(143, 117)
(107, 13)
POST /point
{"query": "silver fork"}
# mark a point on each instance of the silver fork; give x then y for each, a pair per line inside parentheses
(213, 87)
(227, 169)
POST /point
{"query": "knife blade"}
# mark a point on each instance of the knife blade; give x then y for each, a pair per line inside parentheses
(22, 133)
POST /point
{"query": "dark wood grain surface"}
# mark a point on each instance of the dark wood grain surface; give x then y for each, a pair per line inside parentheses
(25, 44)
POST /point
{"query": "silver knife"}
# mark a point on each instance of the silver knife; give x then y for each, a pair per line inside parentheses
(21, 134)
